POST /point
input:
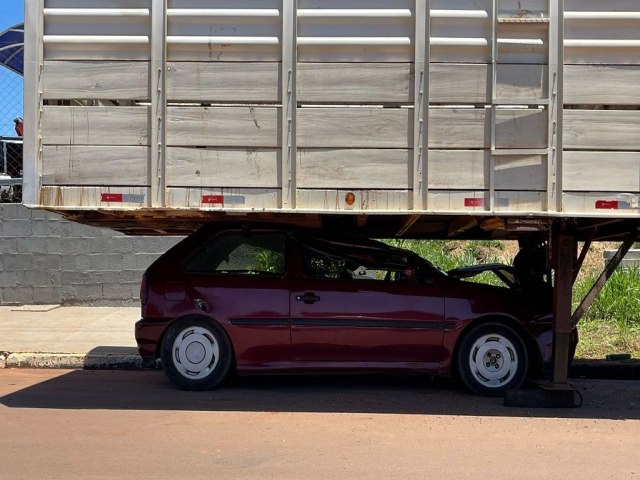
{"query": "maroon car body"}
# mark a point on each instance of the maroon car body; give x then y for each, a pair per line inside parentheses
(280, 300)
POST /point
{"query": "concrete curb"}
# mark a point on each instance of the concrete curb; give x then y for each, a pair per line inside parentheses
(108, 361)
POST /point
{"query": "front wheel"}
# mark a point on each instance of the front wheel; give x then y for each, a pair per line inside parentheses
(492, 359)
(196, 355)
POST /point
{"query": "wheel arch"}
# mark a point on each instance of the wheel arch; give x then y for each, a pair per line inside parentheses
(535, 358)
(212, 321)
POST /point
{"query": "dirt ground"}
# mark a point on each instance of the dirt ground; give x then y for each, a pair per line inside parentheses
(110, 424)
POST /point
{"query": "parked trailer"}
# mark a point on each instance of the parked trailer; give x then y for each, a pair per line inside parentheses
(421, 118)
(192, 108)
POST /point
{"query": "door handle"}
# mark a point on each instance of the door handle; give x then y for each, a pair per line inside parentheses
(308, 297)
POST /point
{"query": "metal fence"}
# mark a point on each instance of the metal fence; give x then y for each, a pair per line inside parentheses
(10, 136)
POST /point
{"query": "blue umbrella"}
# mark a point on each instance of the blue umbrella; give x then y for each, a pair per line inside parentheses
(12, 48)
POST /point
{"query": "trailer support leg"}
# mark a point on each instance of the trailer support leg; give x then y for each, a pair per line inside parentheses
(559, 393)
(564, 257)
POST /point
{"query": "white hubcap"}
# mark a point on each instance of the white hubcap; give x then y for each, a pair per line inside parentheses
(195, 352)
(493, 360)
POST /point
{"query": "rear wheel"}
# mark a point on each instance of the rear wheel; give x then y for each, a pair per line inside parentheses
(196, 355)
(492, 359)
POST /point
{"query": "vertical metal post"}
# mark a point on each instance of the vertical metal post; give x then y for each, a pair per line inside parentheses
(556, 102)
(564, 247)
(157, 128)
(33, 66)
(420, 161)
(289, 103)
(494, 80)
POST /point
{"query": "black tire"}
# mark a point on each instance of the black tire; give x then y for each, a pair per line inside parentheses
(196, 354)
(492, 359)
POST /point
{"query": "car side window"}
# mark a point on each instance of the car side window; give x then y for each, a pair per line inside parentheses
(317, 264)
(241, 254)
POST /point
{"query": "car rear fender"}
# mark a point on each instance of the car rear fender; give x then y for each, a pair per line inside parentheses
(535, 358)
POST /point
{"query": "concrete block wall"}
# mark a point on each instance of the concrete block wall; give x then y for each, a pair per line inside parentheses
(45, 259)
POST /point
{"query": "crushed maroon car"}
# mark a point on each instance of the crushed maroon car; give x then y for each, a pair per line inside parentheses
(273, 299)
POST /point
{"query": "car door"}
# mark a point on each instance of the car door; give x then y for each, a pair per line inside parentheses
(239, 279)
(353, 304)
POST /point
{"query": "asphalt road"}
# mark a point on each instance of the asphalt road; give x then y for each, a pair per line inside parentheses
(115, 424)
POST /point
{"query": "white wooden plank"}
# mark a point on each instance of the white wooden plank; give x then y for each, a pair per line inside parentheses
(520, 82)
(581, 203)
(602, 84)
(353, 168)
(64, 165)
(222, 167)
(365, 200)
(469, 170)
(602, 129)
(91, 198)
(521, 128)
(240, 199)
(353, 82)
(458, 169)
(223, 126)
(389, 82)
(469, 128)
(459, 128)
(370, 127)
(94, 125)
(477, 201)
(601, 171)
(222, 82)
(96, 80)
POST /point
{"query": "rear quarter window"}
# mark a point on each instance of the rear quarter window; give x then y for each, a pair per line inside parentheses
(240, 254)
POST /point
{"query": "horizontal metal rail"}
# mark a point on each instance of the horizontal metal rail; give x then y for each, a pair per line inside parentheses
(601, 15)
(354, 41)
(601, 43)
(354, 13)
(96, 12)
(96, 39)
(223, 12)
(482, 42)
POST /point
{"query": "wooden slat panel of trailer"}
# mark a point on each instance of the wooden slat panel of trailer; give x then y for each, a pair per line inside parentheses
(223, 82)
(229, 198)
(390, 83)
(370, 127)
(92, 197)
(365, 200)
(88, 165)
(602, 84)
(94, 125)
(469, 128)
(96, 80)
(353, 168)
(469, 170)
(601, 171)
(602, 129)
(457, 201)
(222, 167)
(586, 202)
(223, 126)
(354, 82)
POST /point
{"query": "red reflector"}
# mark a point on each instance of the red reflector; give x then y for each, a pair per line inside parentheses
(607, 204)
(473, 202)
(111, 197)
(213, 199)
